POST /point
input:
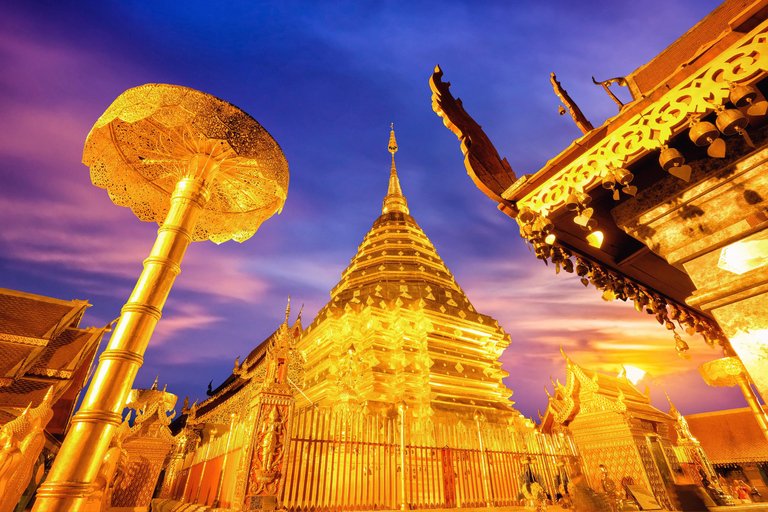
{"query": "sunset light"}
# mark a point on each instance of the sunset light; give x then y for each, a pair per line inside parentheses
(633, 373)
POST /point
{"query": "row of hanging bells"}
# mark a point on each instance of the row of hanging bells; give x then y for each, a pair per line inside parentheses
(729, 121)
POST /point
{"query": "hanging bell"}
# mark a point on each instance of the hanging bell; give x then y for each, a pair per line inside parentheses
(609, 181)
(704, 133)
(623, 176)
(744, 96)
(543, 225)
(682, 347)
(542, 249)
(572, 202)
(584, 199)
(526, 215)
(671, 160)
(731, 121)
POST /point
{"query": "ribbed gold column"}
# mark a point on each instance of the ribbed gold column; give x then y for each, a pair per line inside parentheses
(72, 477)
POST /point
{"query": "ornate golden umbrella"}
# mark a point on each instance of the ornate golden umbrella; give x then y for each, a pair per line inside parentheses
(202, 169)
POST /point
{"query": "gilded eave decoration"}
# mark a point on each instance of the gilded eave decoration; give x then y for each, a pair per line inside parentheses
(651, 129)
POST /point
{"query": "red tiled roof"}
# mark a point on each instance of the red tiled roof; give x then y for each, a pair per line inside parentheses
(729, 436)
(63, 350)
(685, 48)
(22, 392)
(28, 315)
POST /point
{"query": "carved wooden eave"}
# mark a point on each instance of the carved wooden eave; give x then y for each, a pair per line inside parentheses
(695, 88)
(689, 81)
(492, 174)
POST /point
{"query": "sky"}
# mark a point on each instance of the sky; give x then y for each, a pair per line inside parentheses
(326, 79)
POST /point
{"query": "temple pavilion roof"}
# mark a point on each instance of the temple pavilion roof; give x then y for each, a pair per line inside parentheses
(42, 345)
(731, 436)
(606, 393)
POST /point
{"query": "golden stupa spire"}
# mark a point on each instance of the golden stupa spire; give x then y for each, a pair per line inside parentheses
(394, 201)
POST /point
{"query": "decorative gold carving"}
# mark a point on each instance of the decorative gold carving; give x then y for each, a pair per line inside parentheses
(49, 372)
(269, 455)
(743, 64)
(152, 136)
(21, 441)
(145, 446)
(723, 372)
(491, 173)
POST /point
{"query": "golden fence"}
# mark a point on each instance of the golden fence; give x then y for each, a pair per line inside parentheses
(341, 461)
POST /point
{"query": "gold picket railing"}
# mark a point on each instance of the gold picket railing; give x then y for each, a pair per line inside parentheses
(338, 461)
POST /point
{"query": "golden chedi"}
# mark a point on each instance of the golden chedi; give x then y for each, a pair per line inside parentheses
(399, 329)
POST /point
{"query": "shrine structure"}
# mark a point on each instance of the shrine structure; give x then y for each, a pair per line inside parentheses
(664, 205)
(392, 398)
(619, 433)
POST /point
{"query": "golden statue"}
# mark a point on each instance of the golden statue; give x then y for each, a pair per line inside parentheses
(202, 169)
(270, 431)
(22, 439)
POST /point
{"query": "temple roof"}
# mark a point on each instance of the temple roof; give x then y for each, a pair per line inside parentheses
(583, 385)
(243, 373)
(36, 316)
(42, 347)
(729, 436)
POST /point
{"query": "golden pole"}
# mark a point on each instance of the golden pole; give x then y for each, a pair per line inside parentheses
(161, 150)
(754, 404)
(401, 409)
(71, 478)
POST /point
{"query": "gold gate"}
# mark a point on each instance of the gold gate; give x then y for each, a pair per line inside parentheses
(341, 461)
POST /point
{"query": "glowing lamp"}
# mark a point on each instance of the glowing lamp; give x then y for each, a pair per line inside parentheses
(595, 239)
(743, 256)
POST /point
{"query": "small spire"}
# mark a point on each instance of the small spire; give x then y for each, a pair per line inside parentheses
(154, 385)
(288, 309)
(394, 201)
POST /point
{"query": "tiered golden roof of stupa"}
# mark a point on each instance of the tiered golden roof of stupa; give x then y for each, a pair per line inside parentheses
(399, 327)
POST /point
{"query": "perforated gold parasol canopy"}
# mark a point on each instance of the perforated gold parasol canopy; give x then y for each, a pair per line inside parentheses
(154, 135)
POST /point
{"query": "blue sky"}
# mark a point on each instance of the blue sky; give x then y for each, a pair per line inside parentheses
(326, 80)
